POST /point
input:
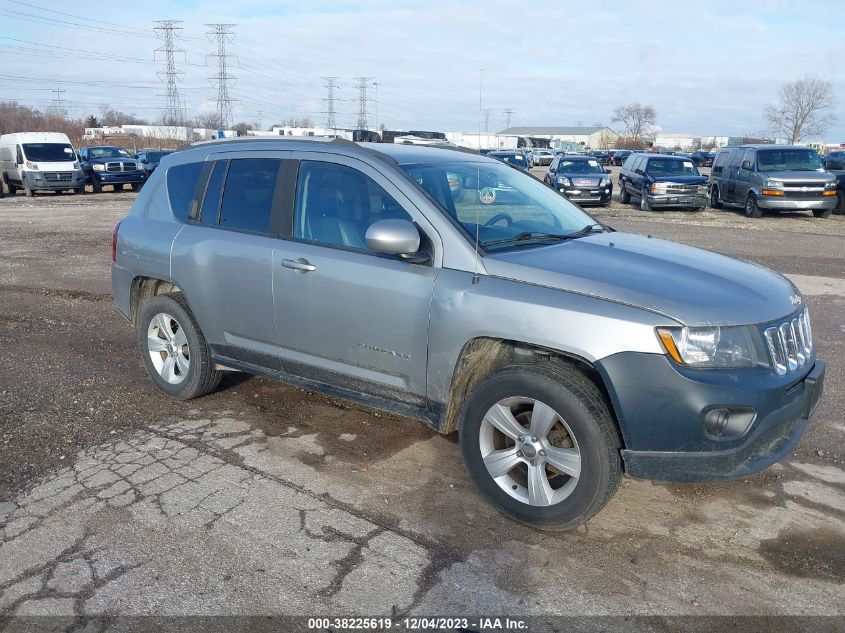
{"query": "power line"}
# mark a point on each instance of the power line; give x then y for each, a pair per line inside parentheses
(362, 102)
(222, 33)
(58, 100)
(168, 31)
(331, 84)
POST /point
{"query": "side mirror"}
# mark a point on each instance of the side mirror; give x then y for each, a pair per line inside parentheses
(396, 237)
(746, 164)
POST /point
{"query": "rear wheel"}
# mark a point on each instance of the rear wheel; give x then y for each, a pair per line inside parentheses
(173, 348)
(751, 208)
(539, 441)
(715, 202)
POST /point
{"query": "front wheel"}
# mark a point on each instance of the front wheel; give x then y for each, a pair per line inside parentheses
(173, 348)
(96, 187)
(751, 208)
(822, 213)
(840, 204)
(136, 186)
(539, 441)
(624, 196)
(29, 191)
(644, 205)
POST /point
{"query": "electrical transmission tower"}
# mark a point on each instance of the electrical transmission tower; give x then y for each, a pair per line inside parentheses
(222, 33)
(362, 102)
(167, 31)
(330, 85)
(487, 120)
(58, 100)
(508, 115)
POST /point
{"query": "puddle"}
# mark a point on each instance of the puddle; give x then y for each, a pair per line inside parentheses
(809, 553)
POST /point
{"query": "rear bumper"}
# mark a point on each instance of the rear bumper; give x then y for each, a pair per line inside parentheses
(661, 412)
(787, 204)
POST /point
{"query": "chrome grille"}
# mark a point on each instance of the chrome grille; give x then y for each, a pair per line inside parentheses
(121, 166)
(129, 167)
(675, 189)
(790, 343)
(112, 166)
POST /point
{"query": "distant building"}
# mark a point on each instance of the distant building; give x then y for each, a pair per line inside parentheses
(593, 137)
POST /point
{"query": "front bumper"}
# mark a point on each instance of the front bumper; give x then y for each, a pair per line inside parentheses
(588, 194)
(661, 410)
(117, 177)
(54, 181)
(677, 200)
(790, 204)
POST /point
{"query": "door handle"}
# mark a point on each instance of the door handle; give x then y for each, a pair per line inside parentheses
(301, 265)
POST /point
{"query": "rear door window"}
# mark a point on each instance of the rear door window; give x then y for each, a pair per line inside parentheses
(248, 194)
(213, 191)
(720, 159)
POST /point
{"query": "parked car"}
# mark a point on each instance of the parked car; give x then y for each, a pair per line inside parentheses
(514, 159)
(601, 156)
(529, 156)
(113, 166)
(562, 353)
(39, 161)
(772, 178)
(839, 174)
(543, 157)
(702, 159)
(834, 160)
(662, 180)
(620, 157)
(581, 179)
(148, 160)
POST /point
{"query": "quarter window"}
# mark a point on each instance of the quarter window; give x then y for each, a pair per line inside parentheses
(720, 159)
(336, 204)
(248, 195)
(211, 200)
(181, 188)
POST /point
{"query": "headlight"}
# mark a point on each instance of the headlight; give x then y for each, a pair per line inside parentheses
(774, 184)
(563, 181)
(702, 189)
(30, 165)
(659, 187)
(709, 346)
(604, 182)
(98, 167)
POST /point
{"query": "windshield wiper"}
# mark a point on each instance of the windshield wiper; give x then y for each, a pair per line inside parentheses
(526, 236)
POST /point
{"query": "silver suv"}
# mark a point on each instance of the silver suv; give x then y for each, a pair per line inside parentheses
(448, 287)
(772, 178)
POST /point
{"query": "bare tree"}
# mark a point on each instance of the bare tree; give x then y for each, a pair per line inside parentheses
(637, 119)
(209, 121)
(805, 109)
(111, 117)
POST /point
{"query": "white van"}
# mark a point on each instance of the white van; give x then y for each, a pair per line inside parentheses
(35, 161)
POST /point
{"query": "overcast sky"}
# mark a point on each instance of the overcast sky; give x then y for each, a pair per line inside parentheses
(706, 67)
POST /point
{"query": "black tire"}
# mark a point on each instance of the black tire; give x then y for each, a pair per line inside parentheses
(715, 202)
(136, 186)
(79, 191)
(201, 377)
(579, 402)
(822, 213)
(624, 196)
(840, 204)
(644, 205)
(117, 188)
(751, 208)
(30, 193)
(96, 187)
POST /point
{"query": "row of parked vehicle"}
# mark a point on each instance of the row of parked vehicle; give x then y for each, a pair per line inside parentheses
(755, 178)
(47, 161)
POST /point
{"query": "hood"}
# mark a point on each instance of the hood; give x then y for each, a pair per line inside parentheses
(112, 159)
(799, 176)
(684, 180)
(690, 285)
(62, 165)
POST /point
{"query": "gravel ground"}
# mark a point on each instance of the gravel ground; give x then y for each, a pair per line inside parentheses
(262, 498)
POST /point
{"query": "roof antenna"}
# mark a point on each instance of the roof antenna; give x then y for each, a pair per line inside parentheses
(475, 277)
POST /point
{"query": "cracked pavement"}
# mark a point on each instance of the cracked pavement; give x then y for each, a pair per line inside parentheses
(267, 499)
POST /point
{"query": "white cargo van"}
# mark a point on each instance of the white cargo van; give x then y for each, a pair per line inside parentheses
(35, 161)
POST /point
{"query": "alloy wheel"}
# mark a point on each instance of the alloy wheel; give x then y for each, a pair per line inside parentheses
(167, 345)
(530, 451)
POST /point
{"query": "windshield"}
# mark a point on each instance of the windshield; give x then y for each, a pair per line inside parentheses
(48, 152)
(671, 167)
(514, 159)
(501, 202)
(579, 167)
(108, 152)
(788, 160)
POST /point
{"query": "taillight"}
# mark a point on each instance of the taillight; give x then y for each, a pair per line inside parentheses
(114, 242)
